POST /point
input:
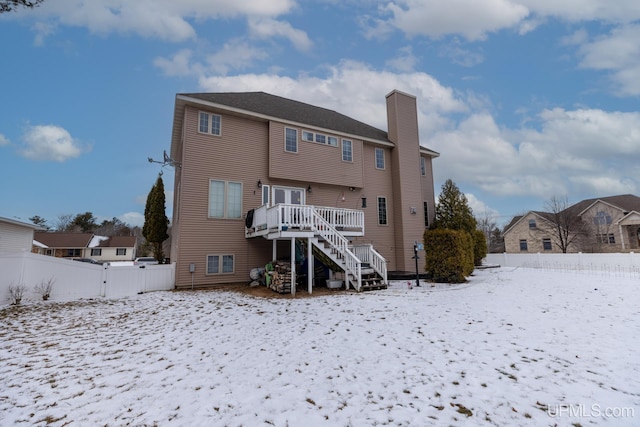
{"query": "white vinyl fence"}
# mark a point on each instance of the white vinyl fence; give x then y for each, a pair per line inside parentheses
(620, 264)
(74, 280)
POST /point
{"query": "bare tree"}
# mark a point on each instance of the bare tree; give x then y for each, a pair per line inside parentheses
(12, 5)
(564, 226)
(64, 222)
(486, 222)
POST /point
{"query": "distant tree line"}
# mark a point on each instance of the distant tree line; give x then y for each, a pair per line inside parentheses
(151, 236)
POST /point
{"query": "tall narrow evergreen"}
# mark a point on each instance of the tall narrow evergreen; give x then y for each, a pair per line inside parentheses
(156, 222)
(453, 210)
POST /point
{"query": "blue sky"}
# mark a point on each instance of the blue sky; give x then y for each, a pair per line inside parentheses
(524, 99)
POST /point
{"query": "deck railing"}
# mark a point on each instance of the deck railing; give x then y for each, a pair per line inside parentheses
(367, 254)
(284, 217)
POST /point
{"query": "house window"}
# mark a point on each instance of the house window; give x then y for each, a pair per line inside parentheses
(307, 136)
(382, 210)
(322, 139)
(546, 244)
(96, 252)
(291, 140)
(523, 245)
(265, 194)
(423, 167)
(426, 213)
(532, 223)
(379, 158)
(209, 123)
(332, 140)
(347, 150)
(72, 252)
(602, 218)
(606, 238)
(48, 252)
(121, 251)
(225, 199)
(220, 264)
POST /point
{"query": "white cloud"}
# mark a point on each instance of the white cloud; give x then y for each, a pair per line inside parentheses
(132, 218)
(587, 151)
(267, 28)
(472, 19)
(460, 55)
(354, 89)
(178, 65)
(234, 55)
(618, 52)
(405, 61)
(3, 140)
(478, 207)
(50, 143)
(163, 19)
(585, 10)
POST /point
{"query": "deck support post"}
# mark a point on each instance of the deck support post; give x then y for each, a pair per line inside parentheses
(274, 250)
(310, 265)
(293, 266)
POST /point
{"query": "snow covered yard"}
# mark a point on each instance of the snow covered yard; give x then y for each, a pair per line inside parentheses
(513, 347)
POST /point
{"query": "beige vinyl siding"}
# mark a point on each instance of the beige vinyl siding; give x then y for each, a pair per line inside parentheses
(407, 183)
(237, 155)
(314, 162)
(378, 184)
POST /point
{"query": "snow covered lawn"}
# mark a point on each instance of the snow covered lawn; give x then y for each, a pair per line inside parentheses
(513, 347)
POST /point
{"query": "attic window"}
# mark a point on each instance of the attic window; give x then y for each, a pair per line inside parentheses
(209, 123)
(532, 223)
(602, 218)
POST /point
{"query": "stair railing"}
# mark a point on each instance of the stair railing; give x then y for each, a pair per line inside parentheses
(366, 253)
(337, 242)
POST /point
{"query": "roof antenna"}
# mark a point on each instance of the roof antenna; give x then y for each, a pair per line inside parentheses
(167, 161)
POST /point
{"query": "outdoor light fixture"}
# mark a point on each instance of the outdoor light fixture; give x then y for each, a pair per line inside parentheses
(259, 184)
(352, 188)
(309, 189)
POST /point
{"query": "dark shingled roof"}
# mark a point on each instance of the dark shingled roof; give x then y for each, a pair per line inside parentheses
(118, 242)
(626, 202)
(63, 240)
(290, 110)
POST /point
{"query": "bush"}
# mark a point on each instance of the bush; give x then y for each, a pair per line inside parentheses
(44, 288)
(479, 247)
(16, 292)
(448, 255)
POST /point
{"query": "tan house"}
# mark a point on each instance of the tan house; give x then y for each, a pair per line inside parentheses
(607, 224)
(85, 245)
(260, 177)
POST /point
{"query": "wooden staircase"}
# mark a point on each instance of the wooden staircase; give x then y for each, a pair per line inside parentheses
(361, 274)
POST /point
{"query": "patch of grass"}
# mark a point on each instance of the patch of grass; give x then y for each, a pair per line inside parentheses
(462, 409)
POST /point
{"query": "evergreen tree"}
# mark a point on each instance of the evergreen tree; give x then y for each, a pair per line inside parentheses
(86, 222)
(38, 220)
(156, 222)
(453, 211)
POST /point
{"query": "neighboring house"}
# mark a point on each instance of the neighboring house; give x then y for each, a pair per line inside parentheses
(608, 224)
(16, 236)
(259, 177)
(85, 245)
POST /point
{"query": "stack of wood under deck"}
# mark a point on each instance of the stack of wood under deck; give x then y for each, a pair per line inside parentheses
(281, 277)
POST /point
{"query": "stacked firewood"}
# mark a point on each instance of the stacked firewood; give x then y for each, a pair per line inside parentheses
(281, 277)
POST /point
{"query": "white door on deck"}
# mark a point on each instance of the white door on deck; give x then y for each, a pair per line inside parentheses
(289, 196)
